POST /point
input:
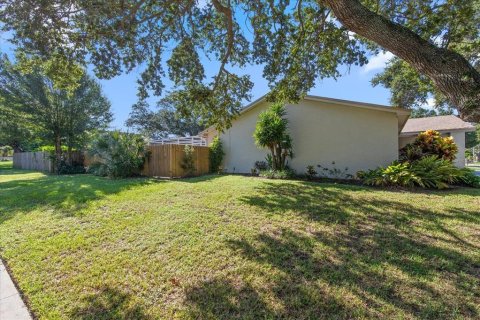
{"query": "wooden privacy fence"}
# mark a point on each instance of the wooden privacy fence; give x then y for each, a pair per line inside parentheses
(40, 160)
(165, 161)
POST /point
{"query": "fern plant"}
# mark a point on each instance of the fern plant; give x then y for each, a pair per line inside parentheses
(429, 172)
(434, 172)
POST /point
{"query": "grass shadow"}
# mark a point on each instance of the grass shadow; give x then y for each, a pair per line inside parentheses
(108, 303)
(358, 266)
(66, 192)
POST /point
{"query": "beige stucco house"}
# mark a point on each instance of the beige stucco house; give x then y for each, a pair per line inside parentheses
(353, 135)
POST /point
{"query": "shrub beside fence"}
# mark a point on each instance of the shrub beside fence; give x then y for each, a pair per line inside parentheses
(166, 160)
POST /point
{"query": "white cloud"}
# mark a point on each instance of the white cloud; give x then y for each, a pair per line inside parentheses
(202, 4)
(430, 104)
(378, 61)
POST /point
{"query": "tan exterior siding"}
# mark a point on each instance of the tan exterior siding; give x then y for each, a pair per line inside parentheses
(459, 138)
(403, 141)
(240, 149)
(322, 132)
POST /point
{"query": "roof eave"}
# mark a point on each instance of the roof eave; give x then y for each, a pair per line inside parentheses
(413, 133)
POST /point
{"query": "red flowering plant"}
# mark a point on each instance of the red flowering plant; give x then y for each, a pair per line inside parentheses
(429, 143)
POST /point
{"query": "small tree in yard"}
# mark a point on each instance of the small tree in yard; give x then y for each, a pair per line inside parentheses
(271, 132)
(188, 161)
(216, 155)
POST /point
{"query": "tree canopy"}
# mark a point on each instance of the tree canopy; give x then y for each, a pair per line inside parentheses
(271, 132)
(162, 122)
(295, 42)
(56, 116)
(472, 139)
(16, 129)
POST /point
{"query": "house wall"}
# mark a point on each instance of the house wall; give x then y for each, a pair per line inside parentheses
(403, 141)
(458, 137)
(355, 138)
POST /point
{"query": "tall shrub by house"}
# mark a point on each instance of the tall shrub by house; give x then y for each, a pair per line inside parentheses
(271, 132)
(216, 154)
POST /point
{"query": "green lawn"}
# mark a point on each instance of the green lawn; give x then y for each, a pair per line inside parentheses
(233, 247)
(475, 166)
(6, 164)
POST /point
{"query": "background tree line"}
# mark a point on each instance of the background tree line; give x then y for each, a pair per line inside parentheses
(33, 112)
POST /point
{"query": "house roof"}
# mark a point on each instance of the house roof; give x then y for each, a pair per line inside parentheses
(336, 101)
(402, 114)
(438, 123)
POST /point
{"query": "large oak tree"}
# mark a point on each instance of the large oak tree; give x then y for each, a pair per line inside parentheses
(295, 43)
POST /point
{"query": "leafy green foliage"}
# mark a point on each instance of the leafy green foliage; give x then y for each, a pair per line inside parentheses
(261, 165)
(58, 117)
(6, 151)
(451, 25)
(65, 74)
(296, 44)
(117, 154)
(16, 129)
(434, 172)
(50, 148)
(472, 139)
(216, 154)
(311, 172)
(188, 160)
(286, 173)
(166, 121)
(469, 178)
(420, 112)
(396, 174)
(271, 133)
(428, 172)
(429, 143)
(73, 168)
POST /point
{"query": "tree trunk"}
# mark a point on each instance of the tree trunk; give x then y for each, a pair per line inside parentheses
(451, 73)
(69, 155)
(279, 157)
(58, 153)
(16, 147)
(272, 151)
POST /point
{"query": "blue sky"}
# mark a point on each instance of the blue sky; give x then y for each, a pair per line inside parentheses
(353, 85)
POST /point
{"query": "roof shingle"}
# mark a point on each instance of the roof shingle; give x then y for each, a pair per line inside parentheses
(439, 123)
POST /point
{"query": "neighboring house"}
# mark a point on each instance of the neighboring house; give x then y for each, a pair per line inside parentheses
(446, 125)
(353, 135)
